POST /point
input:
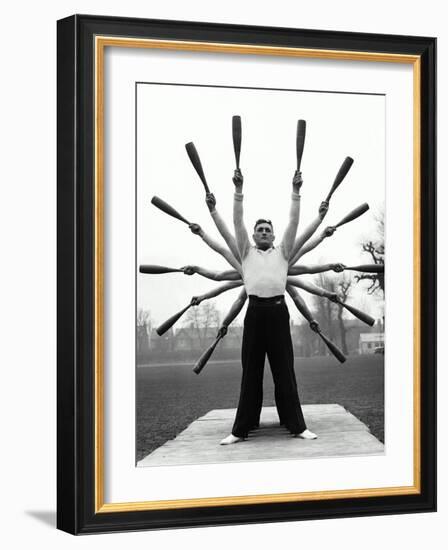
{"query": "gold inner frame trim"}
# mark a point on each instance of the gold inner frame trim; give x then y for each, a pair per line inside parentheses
(101, 42)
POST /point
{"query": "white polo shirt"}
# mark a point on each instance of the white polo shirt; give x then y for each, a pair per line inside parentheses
(265, 272)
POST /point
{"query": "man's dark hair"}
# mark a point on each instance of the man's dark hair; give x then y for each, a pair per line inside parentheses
(262, 220)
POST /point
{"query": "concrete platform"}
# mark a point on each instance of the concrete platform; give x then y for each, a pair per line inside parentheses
(339, 434)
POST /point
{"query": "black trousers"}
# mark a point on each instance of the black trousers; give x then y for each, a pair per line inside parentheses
(267, 332)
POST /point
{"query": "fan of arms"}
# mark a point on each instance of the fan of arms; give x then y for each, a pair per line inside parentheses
(303, 245)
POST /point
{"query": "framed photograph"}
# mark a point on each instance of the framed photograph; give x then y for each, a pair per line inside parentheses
(209, 373)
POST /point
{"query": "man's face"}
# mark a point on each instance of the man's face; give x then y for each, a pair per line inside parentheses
(263, 236)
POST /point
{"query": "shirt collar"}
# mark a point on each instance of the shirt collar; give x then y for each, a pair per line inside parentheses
(267, 251)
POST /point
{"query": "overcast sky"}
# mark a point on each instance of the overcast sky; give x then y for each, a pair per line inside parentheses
(338, 125)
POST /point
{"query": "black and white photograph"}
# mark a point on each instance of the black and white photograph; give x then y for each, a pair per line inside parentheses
(260, 274)
(253, 241)
(221, 313)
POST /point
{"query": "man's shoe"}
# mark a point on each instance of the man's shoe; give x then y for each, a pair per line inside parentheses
(230, 439)
(306, 434)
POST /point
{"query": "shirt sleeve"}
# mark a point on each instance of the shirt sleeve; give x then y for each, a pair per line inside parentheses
(291, 230)
(242, 238)
(225, 233)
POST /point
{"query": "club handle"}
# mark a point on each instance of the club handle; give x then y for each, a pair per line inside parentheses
(193, 155)
(168, 209)
(333, 348)
(354, 214)
(236, 134)
(364, 317)
(300, 141)
(340, 176)
(203, 359)
(171, 321)
(158, 269)
(368, 268)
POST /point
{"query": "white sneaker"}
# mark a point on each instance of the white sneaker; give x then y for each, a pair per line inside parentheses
(230, 439)
(306, 434)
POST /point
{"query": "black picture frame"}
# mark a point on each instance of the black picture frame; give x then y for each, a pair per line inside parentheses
(77, 511)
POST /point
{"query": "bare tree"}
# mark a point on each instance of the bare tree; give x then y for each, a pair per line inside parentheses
(329, 315)
(143, 322)
(375, 249)
(343, 290)
(305, 341)
(201, 320)
(325, 311)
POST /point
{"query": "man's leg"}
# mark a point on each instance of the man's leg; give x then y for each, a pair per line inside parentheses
(281, 359)
(279, 403)
(253, 356)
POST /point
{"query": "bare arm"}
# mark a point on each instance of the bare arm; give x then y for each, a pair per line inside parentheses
(309, 231)
(311, 288)
(312, 243)
(291, 230)
(196, 229)
(237, 306)
(294, 214)
(196, 300)
(227, 254)
(241, 236)
(302, 307)
(230, 275)
(222, 226)
(305, 269)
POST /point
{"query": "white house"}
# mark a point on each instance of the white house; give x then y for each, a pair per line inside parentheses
(369, 341)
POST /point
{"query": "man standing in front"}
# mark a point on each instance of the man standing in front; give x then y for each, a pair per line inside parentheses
(266, 325)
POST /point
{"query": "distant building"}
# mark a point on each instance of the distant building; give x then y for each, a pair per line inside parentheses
(233, 338)
(189, 339)
(161, 343)
(370, 341)
(307, 343)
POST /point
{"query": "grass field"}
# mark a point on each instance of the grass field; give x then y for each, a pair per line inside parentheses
(169, 397)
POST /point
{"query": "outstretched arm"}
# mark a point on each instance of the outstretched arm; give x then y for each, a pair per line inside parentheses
(196, 300)
(197, 230)
(312, 243)
(230, 275)
(234, 310)
(294, 214)
(302, 307)
(309, 231)
(305, 269)
(311, 288)
(242, 238)
(222, 226)
(237, 306)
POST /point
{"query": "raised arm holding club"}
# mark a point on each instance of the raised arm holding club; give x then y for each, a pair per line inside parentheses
(294, 215)
(230, 275)
(221, 225)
